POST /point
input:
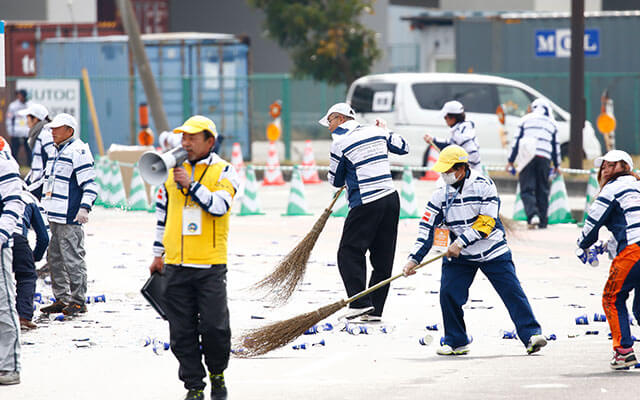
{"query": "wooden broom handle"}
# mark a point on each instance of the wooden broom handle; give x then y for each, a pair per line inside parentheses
(335, 198)
(434, 145)
(389, 280)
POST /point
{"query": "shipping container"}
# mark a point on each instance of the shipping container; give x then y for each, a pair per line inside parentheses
(152, 15)
(21, 39)
(196, 73)
(535, 49)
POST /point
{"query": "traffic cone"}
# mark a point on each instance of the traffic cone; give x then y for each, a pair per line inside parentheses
(117, 196)
(341, 207)
(592, 192)
(250, 204)
(153, 195)
(297, 204)
(432, 158)
(559, 211)
(272, 174)
(100, 177)
(408, 204)
(138, 192)
(518, 207)
(309, 169)
(236, 159)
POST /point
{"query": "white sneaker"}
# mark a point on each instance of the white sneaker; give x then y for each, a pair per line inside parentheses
(9, 377)
(535, 221)
(353, 313)
(370, 318)
(536, 342)
(447, 350)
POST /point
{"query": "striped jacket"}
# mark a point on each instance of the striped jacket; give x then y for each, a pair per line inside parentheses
(34, 217)
(617, 207)
(216, 203)
(360, 159)
(73, 175)
(43, 150)
(11, 205)
(464, 135)
(543, 128)
(457, 211)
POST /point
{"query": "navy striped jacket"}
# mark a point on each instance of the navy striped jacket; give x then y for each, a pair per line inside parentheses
(479, 196)
(464, 135)
(74, 183)
(360, 159)
(11, 205)
(617, 207)
(543, 128)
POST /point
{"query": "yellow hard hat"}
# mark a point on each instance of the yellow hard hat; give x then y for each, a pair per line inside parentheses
(451, 155)
(197, 123)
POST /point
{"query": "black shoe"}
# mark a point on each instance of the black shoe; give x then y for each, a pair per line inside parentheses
(195, 394)
(54, 308)
(74, 309)
(218, 387)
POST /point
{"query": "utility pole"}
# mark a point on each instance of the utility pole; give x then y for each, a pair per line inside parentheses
(142, 63)
(577, 84)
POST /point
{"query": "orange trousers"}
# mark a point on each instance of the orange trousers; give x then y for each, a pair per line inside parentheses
(624, 276)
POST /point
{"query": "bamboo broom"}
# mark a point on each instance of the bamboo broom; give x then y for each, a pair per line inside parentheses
(262, 340)
(288, 274)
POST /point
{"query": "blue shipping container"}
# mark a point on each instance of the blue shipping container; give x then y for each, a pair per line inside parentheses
(196, 73)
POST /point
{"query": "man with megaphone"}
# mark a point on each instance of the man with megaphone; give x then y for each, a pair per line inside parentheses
(193, 207)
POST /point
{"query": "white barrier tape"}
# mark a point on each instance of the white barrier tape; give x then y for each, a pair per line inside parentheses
(393, 168)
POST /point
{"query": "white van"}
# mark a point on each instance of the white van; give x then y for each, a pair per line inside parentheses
(411, 103)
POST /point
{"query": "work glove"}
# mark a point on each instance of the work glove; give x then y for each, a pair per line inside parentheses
(82, 217)
(381, 123)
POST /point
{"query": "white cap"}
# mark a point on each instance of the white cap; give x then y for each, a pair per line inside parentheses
(37, 110)
(613, 156)
(541, 106)
(340, 108)
(452, 107)
(63, 119)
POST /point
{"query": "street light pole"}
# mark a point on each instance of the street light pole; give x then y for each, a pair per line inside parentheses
(577, 84)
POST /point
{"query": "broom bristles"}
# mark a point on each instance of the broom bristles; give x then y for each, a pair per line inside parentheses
(262, 340)
(288, 274)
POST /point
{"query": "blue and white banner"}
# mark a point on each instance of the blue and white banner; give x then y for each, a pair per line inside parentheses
(557, 42)
(2, 71)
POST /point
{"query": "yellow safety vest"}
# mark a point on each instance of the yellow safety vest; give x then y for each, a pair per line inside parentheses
(210, 247)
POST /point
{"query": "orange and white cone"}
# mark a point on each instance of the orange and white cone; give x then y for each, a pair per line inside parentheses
(238, 164)
(273, 174)
(236, 158)
(309, 169)
(432, 158)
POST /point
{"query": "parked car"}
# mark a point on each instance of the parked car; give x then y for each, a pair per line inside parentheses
(411, 103)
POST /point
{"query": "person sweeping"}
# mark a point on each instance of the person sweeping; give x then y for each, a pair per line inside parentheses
(617, 208)
(360, 160)
(465, 211)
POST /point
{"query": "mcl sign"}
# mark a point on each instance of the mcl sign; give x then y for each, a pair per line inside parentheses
(557, 42)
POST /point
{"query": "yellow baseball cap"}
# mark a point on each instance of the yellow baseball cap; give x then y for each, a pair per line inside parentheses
(451, 155)
(197, 123)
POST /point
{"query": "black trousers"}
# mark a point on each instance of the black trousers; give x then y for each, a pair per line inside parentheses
(534, 189)
(16, 143)
(196, 306)
(24, 268)
(370, 227)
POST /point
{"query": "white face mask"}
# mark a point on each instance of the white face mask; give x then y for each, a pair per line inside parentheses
(449, 178)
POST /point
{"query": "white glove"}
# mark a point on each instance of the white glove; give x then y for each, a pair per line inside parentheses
(82, 216)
